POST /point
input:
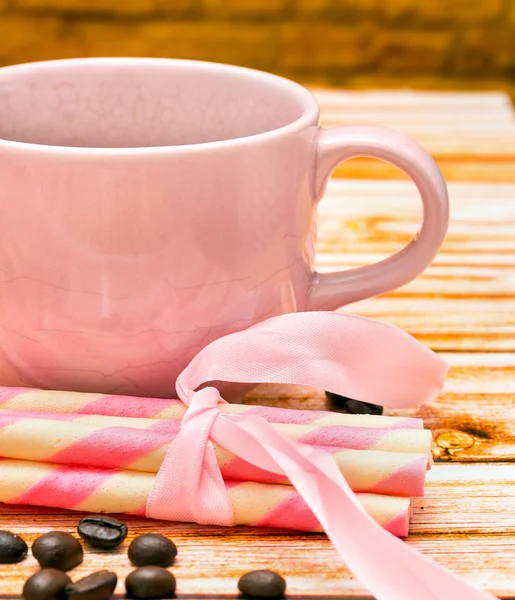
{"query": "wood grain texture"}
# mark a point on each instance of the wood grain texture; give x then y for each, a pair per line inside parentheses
(474, 421)
(465, 300)
(472, 136)
(463, 306)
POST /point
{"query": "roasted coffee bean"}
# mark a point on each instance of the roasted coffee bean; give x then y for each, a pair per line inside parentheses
(354, 407)
(150, 582)
(57, 550)
(12, 548)
(97, 586)
(47, 584)
(262, 584)
(152, 549)
(102, 531)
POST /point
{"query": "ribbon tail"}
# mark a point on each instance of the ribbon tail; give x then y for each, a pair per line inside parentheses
(391, 569)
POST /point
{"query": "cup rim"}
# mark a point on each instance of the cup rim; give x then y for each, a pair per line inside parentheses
(309, 117)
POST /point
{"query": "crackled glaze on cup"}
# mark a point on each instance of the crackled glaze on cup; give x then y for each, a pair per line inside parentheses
(149, 206)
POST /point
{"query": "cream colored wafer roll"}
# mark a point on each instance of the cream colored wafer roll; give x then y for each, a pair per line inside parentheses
(101, 442)
(129, 406)
(417, 441)
(111, 491)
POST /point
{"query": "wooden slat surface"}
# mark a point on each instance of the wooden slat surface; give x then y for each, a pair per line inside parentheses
(471, 135)
(463, 307)
(465, 300)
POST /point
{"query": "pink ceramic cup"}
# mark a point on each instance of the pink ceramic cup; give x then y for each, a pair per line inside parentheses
(150, 206)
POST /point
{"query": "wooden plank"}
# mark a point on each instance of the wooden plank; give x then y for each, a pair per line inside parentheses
(447, 324)
(405, 98)
(474, 421)
(471, 135)
(460, 490)
(420, 114)
(435, 128)
(466, 513)
(472, 281)
(454, 168)
(382, 216)
(465, 300)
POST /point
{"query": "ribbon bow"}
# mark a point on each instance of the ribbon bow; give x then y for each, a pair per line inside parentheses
(344, 354)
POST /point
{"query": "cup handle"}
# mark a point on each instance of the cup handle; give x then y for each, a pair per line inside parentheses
(330, 291)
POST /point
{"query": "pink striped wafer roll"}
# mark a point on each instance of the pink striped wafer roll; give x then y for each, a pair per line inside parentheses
(416, 441)
(107, 490)
(129, 406)
(94, 441)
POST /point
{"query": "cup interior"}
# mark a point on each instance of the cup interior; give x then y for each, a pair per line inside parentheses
(125, 103)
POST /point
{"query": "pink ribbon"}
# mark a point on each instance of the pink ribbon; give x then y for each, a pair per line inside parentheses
(344, 354)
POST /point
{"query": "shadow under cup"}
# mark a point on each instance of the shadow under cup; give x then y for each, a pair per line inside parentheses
(139, 103)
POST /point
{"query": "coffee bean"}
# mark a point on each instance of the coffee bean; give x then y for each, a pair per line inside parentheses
(97, 586)
(262, 584)
(152, 549)
(354, 407)
(12, 548)
(102, 531)
(150, 582)
(47, 584)
(57, 550)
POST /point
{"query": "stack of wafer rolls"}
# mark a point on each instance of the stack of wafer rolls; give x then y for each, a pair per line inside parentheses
(101, 453)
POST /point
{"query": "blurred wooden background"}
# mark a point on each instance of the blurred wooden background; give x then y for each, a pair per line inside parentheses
(443, 44)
